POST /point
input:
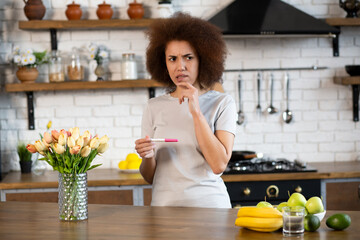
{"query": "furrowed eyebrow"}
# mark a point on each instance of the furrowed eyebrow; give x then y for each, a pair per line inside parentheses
(186, 55)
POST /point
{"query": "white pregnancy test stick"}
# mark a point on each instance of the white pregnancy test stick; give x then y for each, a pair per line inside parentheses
(163, 140)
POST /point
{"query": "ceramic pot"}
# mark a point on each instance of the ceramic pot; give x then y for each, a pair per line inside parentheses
(34, 9)
(73, 11)
(25, 166)
(135, 10)
(351, 7)
(27, 74)
(104, 11)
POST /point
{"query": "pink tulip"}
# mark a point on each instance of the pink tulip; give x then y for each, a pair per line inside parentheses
(47, 137)
(75, 149)
(31, 148)
(63, 131)
(55, 135)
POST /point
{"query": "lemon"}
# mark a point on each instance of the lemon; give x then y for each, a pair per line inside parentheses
(134, 165)
(132, 157)
(123, 164)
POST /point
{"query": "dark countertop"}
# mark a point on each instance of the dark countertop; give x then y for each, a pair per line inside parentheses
(113, 177)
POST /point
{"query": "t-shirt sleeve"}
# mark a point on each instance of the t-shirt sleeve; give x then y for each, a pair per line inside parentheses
(146, 123)
(226, 119)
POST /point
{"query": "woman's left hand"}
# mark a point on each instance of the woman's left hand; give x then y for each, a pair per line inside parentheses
(191, 93)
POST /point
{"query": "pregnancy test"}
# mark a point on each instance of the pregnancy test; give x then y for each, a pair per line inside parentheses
(163, 140)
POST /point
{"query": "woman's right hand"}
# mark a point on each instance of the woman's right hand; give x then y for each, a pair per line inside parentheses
(145, 147)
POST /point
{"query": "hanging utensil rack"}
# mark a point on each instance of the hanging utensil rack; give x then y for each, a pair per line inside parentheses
(275, 69)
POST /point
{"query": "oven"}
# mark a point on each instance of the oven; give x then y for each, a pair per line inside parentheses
(251, 192)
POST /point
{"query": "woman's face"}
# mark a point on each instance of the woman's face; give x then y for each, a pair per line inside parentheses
(182, 62)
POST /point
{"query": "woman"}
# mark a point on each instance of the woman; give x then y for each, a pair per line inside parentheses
(187, 54)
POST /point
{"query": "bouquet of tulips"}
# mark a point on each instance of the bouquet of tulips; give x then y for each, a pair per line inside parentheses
(68, 151)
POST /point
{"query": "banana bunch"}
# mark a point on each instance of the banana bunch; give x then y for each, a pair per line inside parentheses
(266, 219)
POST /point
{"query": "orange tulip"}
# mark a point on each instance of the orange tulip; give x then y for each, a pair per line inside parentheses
(31, 148)
(55, 135)
(47, 137)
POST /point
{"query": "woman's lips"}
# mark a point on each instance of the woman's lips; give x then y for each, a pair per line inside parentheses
(181, 77)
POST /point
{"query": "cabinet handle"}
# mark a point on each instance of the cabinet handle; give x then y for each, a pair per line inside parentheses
(247, 191)
(272, 191)
(298, 189)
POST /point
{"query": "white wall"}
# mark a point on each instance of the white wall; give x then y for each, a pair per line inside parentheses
(322, 129)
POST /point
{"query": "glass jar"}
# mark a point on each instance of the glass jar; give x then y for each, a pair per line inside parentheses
(75, 70)
(128, 67)
(56, 69)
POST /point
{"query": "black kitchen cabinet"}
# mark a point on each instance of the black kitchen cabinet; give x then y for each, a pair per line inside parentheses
(275, 192)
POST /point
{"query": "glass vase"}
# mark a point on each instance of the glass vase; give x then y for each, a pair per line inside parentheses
(100, 71)
(73, 197)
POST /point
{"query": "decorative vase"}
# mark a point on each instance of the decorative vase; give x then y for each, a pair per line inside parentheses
(27, 74)
(34, 9)
(100, 71)
(164, 10)
(104, 11)
(25, 166)
(73, 11)
(73, 197)
(135, 10)
(351, 7)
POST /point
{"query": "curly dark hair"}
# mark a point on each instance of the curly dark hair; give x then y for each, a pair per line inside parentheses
(204, 37)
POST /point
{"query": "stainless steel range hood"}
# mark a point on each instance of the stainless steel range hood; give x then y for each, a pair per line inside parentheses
(269, 17)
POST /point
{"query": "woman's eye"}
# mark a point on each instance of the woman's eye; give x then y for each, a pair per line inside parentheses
(172, 59)
(189, 57)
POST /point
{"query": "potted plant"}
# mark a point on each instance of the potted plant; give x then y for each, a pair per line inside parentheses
(27, 62)
(25, 158)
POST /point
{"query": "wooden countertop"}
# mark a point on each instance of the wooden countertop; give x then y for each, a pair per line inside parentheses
(113, 177)
(27, 220)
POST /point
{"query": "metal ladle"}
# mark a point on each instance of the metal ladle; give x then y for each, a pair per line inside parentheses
(241, 115)
(258, 106)
(271, 109)
(287, 114)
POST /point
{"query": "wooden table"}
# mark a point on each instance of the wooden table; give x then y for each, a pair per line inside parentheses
(26, 220)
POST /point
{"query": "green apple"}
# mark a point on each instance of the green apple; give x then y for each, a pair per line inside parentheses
(314, 205)
(296, 199)
(263, 204)
(281, 205)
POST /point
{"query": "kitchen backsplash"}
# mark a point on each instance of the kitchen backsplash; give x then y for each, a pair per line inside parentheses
(322, 128)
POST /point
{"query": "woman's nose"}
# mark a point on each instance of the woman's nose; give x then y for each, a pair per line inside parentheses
(181, 65)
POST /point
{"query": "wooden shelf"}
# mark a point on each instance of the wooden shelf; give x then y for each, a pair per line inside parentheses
(83, 24)
(347, 80)
(343, 21)
(36, 87)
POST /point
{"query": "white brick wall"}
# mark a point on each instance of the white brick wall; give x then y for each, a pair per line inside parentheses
(322, 129)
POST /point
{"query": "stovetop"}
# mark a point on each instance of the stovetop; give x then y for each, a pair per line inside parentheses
(267, 165)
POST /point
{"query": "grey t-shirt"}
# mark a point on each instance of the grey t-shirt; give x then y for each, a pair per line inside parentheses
(182, 176)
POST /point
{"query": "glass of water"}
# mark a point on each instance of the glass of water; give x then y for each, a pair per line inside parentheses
(293, 221)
